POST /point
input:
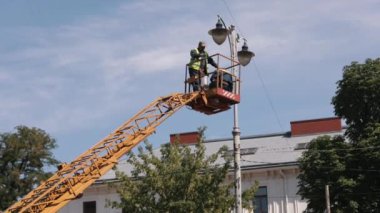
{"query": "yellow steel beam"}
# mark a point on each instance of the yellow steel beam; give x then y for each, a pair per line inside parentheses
(73, 178)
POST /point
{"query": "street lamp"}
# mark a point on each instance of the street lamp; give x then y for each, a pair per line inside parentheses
(244, 55)
(219, 35)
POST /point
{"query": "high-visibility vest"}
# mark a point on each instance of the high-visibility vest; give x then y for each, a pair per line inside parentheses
(195, 63)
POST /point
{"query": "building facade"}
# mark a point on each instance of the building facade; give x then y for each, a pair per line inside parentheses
(270, 159)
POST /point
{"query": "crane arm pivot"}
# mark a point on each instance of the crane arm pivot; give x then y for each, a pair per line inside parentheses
(72, 179)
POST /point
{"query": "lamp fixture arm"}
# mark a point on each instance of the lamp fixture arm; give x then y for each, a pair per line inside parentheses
(233, 40)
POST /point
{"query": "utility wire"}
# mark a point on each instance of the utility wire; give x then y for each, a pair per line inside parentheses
(322, 150)
(352, 169)
(220, 166)
(348, 149)
(268, 96)
(233, 18)
(322, 195)
(258, 71)
(323, 167)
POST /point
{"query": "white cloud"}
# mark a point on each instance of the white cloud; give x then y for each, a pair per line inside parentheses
(163, 59)
(79, 74)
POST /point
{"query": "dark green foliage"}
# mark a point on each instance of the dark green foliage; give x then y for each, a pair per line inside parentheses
(325, 163)
(24, 156)
(357, 99)
(351, 168)
(366, 161)
(180, 179)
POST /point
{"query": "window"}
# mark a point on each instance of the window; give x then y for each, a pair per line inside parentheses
(248, 151)
(245, 151)
(301, 146)
(260, 201)
(89, 207)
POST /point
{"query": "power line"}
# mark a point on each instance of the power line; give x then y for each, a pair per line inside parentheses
(352, 169)
(348, 149)
(322, 195)
(258, 71)
(233, 18)
(268, 96)
(291, 149)
(323, 167)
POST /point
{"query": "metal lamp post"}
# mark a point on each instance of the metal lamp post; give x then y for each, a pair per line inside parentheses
(219, 35)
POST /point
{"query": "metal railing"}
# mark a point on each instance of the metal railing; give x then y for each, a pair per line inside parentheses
(224, 77)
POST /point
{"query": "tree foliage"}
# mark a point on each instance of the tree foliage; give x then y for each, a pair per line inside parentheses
(351, 167)
(179, 179)
(366, 162)
(357, 99)
(325, 163)
(24, 156)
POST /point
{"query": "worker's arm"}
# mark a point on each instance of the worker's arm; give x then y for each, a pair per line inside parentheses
(212, 62)
(194, 54)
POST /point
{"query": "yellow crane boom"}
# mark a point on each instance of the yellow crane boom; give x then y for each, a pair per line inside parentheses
(72, 179)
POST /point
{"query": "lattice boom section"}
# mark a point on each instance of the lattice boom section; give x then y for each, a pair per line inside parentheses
(72, 179)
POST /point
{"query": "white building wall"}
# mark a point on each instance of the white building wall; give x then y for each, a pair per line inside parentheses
(281, 198)
(98, 193)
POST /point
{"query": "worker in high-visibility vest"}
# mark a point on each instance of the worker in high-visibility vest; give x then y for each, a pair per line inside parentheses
(198, 65)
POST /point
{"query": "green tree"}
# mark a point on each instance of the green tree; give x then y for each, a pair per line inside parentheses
(24, 156)
(325, 164)
(365, 161)
(351, 167)
(180, 179)
(357, 99)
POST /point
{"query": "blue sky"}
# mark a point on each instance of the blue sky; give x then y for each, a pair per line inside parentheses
(79, 69)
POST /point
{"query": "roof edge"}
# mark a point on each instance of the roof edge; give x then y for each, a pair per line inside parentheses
(285, 134)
